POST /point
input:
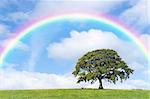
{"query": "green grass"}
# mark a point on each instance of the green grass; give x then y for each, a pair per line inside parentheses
(74, 94)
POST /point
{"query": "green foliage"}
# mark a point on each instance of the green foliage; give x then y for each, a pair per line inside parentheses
(74, 94)
(101, 64)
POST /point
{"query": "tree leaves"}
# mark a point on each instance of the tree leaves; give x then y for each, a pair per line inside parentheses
(101, 64)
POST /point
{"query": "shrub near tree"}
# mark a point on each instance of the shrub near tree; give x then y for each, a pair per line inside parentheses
(101, 64)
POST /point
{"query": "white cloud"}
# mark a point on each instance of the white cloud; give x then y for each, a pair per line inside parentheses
(137, 16)
(79, 43)
(4, 31)
(34, 80)
(147, 72)
(12, 79)
(16, 17)
(145, 38)
(137, 66)
(129, 84)
(50, 7)
(130, 15)
(16, 11)
(3, 3)
(5, 35)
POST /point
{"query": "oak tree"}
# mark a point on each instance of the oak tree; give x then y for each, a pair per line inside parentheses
(101, 64)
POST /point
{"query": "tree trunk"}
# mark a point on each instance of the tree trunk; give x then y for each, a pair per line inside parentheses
(100, 84)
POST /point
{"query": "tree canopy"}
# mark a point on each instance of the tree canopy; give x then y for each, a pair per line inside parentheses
(101, 64)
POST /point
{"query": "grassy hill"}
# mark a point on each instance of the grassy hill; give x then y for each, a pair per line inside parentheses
(75, 94)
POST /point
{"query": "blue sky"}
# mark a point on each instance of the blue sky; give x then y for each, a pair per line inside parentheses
(48, 54)
(54, 32)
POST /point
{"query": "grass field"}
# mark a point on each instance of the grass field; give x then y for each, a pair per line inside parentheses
(75, 94)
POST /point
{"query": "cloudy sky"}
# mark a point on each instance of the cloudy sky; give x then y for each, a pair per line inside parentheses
(46, 57)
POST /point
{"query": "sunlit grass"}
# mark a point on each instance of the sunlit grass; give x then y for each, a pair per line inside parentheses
(74, 94)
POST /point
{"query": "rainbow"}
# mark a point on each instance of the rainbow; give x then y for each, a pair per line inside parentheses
(34, 25)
